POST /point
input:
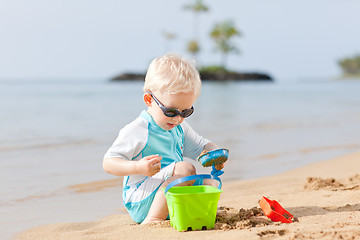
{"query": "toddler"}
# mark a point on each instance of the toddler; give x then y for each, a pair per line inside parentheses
(149, 151)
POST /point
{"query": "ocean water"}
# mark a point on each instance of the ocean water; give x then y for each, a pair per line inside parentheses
(53, 134)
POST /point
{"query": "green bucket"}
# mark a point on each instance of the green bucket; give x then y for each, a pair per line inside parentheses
(192, 207)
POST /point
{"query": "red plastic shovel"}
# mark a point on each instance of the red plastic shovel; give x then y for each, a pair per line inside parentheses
(273, 210)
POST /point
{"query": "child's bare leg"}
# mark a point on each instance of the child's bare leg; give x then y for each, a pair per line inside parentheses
(211, 182)
(159, 210)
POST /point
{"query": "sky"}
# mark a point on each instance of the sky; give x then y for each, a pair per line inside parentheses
(92, 39)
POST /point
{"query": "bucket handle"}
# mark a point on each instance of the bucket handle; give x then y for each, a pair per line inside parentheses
(192, 177)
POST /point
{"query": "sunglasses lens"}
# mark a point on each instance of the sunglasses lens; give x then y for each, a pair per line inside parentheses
(170, 112)
(187, 112)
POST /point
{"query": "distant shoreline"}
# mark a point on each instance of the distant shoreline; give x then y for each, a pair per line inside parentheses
(205, 76)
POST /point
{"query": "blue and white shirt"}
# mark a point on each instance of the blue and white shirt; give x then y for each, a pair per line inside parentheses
(143, 137)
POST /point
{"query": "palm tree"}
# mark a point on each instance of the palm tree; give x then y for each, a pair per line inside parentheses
(169, 36)
(350, 66)
(197, 8)
(193, 47)
(222, 34)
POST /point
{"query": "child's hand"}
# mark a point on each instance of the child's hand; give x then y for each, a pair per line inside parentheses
(219, 166)
(149, 165)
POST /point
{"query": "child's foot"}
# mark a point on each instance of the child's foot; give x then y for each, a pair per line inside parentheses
(152, 221)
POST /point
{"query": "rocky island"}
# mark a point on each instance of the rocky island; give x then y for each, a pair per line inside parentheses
(206, 75)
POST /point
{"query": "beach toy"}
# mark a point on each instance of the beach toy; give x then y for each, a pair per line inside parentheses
(192, 207)
(273, 210)
(212, 158)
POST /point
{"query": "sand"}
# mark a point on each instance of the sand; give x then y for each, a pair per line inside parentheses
(324, 197)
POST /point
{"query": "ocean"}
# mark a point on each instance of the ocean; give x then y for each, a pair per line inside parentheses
(53, 135)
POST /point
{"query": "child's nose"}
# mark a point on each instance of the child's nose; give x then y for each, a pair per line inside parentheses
(178, 118)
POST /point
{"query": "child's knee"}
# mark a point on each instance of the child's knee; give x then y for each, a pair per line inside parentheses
(184, 168)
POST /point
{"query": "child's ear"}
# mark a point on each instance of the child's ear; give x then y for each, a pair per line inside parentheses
(147, 99)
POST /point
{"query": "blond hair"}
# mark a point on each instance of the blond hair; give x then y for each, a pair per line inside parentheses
(172, 74)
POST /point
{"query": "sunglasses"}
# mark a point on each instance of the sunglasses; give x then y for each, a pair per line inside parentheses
(172, 112)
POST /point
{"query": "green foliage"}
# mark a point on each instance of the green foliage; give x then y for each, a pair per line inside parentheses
(193, 47)
(222, 33)
(214, 69)
(168, 35)
(198, 6)
(350, 66)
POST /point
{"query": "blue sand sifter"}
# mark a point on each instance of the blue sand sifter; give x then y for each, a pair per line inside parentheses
(212, 158)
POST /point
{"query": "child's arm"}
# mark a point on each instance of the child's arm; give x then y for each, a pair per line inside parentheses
(210, 146)
(147, 166)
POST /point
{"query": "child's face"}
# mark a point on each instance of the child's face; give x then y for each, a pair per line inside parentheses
(180, 101)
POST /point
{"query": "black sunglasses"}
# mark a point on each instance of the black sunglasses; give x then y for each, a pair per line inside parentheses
(172, 112)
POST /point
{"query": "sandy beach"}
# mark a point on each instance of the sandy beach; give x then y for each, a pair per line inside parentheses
(323, 196)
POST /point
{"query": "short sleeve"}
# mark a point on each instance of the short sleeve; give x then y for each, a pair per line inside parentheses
(193, 143)
(131, 140)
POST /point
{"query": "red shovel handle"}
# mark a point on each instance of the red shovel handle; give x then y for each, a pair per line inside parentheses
(273, 210)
